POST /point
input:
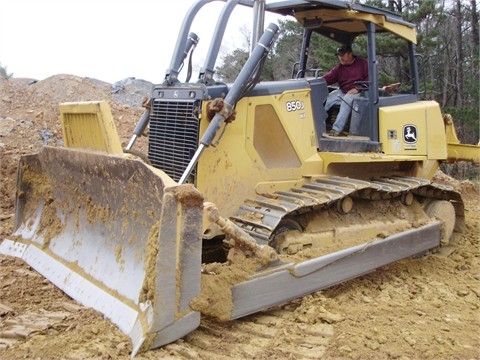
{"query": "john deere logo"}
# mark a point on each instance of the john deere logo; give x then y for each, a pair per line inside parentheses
(410, 134)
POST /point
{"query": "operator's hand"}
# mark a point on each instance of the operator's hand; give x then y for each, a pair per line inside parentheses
(352, 91)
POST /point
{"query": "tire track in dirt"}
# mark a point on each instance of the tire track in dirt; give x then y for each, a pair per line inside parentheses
(273, 334)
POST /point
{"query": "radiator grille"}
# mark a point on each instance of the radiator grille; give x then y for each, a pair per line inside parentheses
(173, 135)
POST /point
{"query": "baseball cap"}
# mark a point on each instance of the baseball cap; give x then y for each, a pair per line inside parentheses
(344, 49)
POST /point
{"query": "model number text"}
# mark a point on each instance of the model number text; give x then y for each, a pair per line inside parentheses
(294, 105)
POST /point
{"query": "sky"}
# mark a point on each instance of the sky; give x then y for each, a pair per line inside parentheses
(108, 40)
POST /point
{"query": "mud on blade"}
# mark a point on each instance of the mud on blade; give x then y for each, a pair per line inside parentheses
(110, 232)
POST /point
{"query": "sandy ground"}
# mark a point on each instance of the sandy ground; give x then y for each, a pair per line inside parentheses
(425, 308)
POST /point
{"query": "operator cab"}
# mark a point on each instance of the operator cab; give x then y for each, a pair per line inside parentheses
(363, 127)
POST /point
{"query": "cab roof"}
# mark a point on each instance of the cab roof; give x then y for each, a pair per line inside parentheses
(342, 20)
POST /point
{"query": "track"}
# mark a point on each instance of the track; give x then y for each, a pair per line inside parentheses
(265, 215)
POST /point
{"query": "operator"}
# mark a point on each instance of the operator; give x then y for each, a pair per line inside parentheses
(350, 69)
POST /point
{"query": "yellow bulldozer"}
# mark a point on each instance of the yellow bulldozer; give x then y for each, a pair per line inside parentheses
(242, 202)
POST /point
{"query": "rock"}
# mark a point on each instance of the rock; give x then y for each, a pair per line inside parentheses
(7, 125)
(330, 318)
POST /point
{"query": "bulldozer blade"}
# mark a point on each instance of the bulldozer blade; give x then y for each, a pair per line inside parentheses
(116, 235)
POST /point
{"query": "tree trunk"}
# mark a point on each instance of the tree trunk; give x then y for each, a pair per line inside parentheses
(475, 53)
(475, 31)
(458, 42)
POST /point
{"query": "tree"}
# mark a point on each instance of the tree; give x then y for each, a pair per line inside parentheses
(4, 74)
(287, 48)
(283, 56)
(231, 65)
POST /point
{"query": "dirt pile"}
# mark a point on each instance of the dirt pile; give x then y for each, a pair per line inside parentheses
(29, 119)
(426, 308)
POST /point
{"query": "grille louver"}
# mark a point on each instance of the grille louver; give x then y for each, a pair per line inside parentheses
(173, 135)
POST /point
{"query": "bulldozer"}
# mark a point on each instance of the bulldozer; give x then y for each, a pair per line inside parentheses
(242, 202)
